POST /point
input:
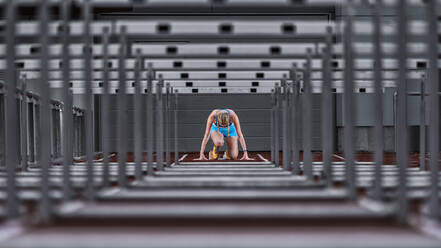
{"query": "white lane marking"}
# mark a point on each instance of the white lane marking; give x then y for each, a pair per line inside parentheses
(427, 226)
(339, 157)
(183, 157)
(375, 206)
(111, 191)
(9, 230)
(70, 207)
(261, 157)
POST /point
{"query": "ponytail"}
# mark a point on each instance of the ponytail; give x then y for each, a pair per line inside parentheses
(228, 123)
(223, 118)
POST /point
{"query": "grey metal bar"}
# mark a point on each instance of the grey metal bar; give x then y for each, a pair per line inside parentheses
(76, 134)
(60, 131)
(225, 69)
(80, 134)
(176, 127)
(434, 108)
(52, 128)
(74, 131)
(395, 119)
(57, 129)
(422, 126)
(251, 58)
(348, 98)
(285, 124)
(68, 148)
(67, 98)
(307, 119)
(276, 126)
(167, 124)
(289, 129)
(74, 139)
(214, 38)
(31, 130)
(378, 128)
(150, 123)
(419, 93)
(37, 143)
(45, 210)
(105, 109)
(295, 122)
(83, 123)
(265, 7)
(11, 130)
(159, 124)
(182, 7)
(327, 138)
(391, 69)
(88, 116)
(272, 126)
(23, 126)
(402, 138)
(138, 118)
(122, 114)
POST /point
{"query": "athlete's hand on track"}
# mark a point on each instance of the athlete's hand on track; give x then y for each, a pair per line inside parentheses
(202, 157)
(245, 157)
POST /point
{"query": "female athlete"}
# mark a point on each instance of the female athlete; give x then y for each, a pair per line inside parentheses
(224, 123)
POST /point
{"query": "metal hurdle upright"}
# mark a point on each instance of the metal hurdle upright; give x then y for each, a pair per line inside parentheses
(11, 152)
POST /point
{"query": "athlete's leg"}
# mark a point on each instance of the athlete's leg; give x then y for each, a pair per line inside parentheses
(218, 141)
(217, 138)
(233, 147)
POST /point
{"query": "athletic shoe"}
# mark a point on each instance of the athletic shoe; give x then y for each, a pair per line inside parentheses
(213, 155)
(226, 156)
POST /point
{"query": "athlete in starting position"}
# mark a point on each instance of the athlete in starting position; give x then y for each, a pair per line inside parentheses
(224, 123)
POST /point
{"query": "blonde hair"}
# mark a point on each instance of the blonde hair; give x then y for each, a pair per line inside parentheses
(223, 118)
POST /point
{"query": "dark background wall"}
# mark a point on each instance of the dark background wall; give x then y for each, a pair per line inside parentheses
(254, 114)
(252, 109)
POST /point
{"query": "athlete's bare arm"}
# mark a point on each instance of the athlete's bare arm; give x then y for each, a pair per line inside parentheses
(235, 120)
(210, 121)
